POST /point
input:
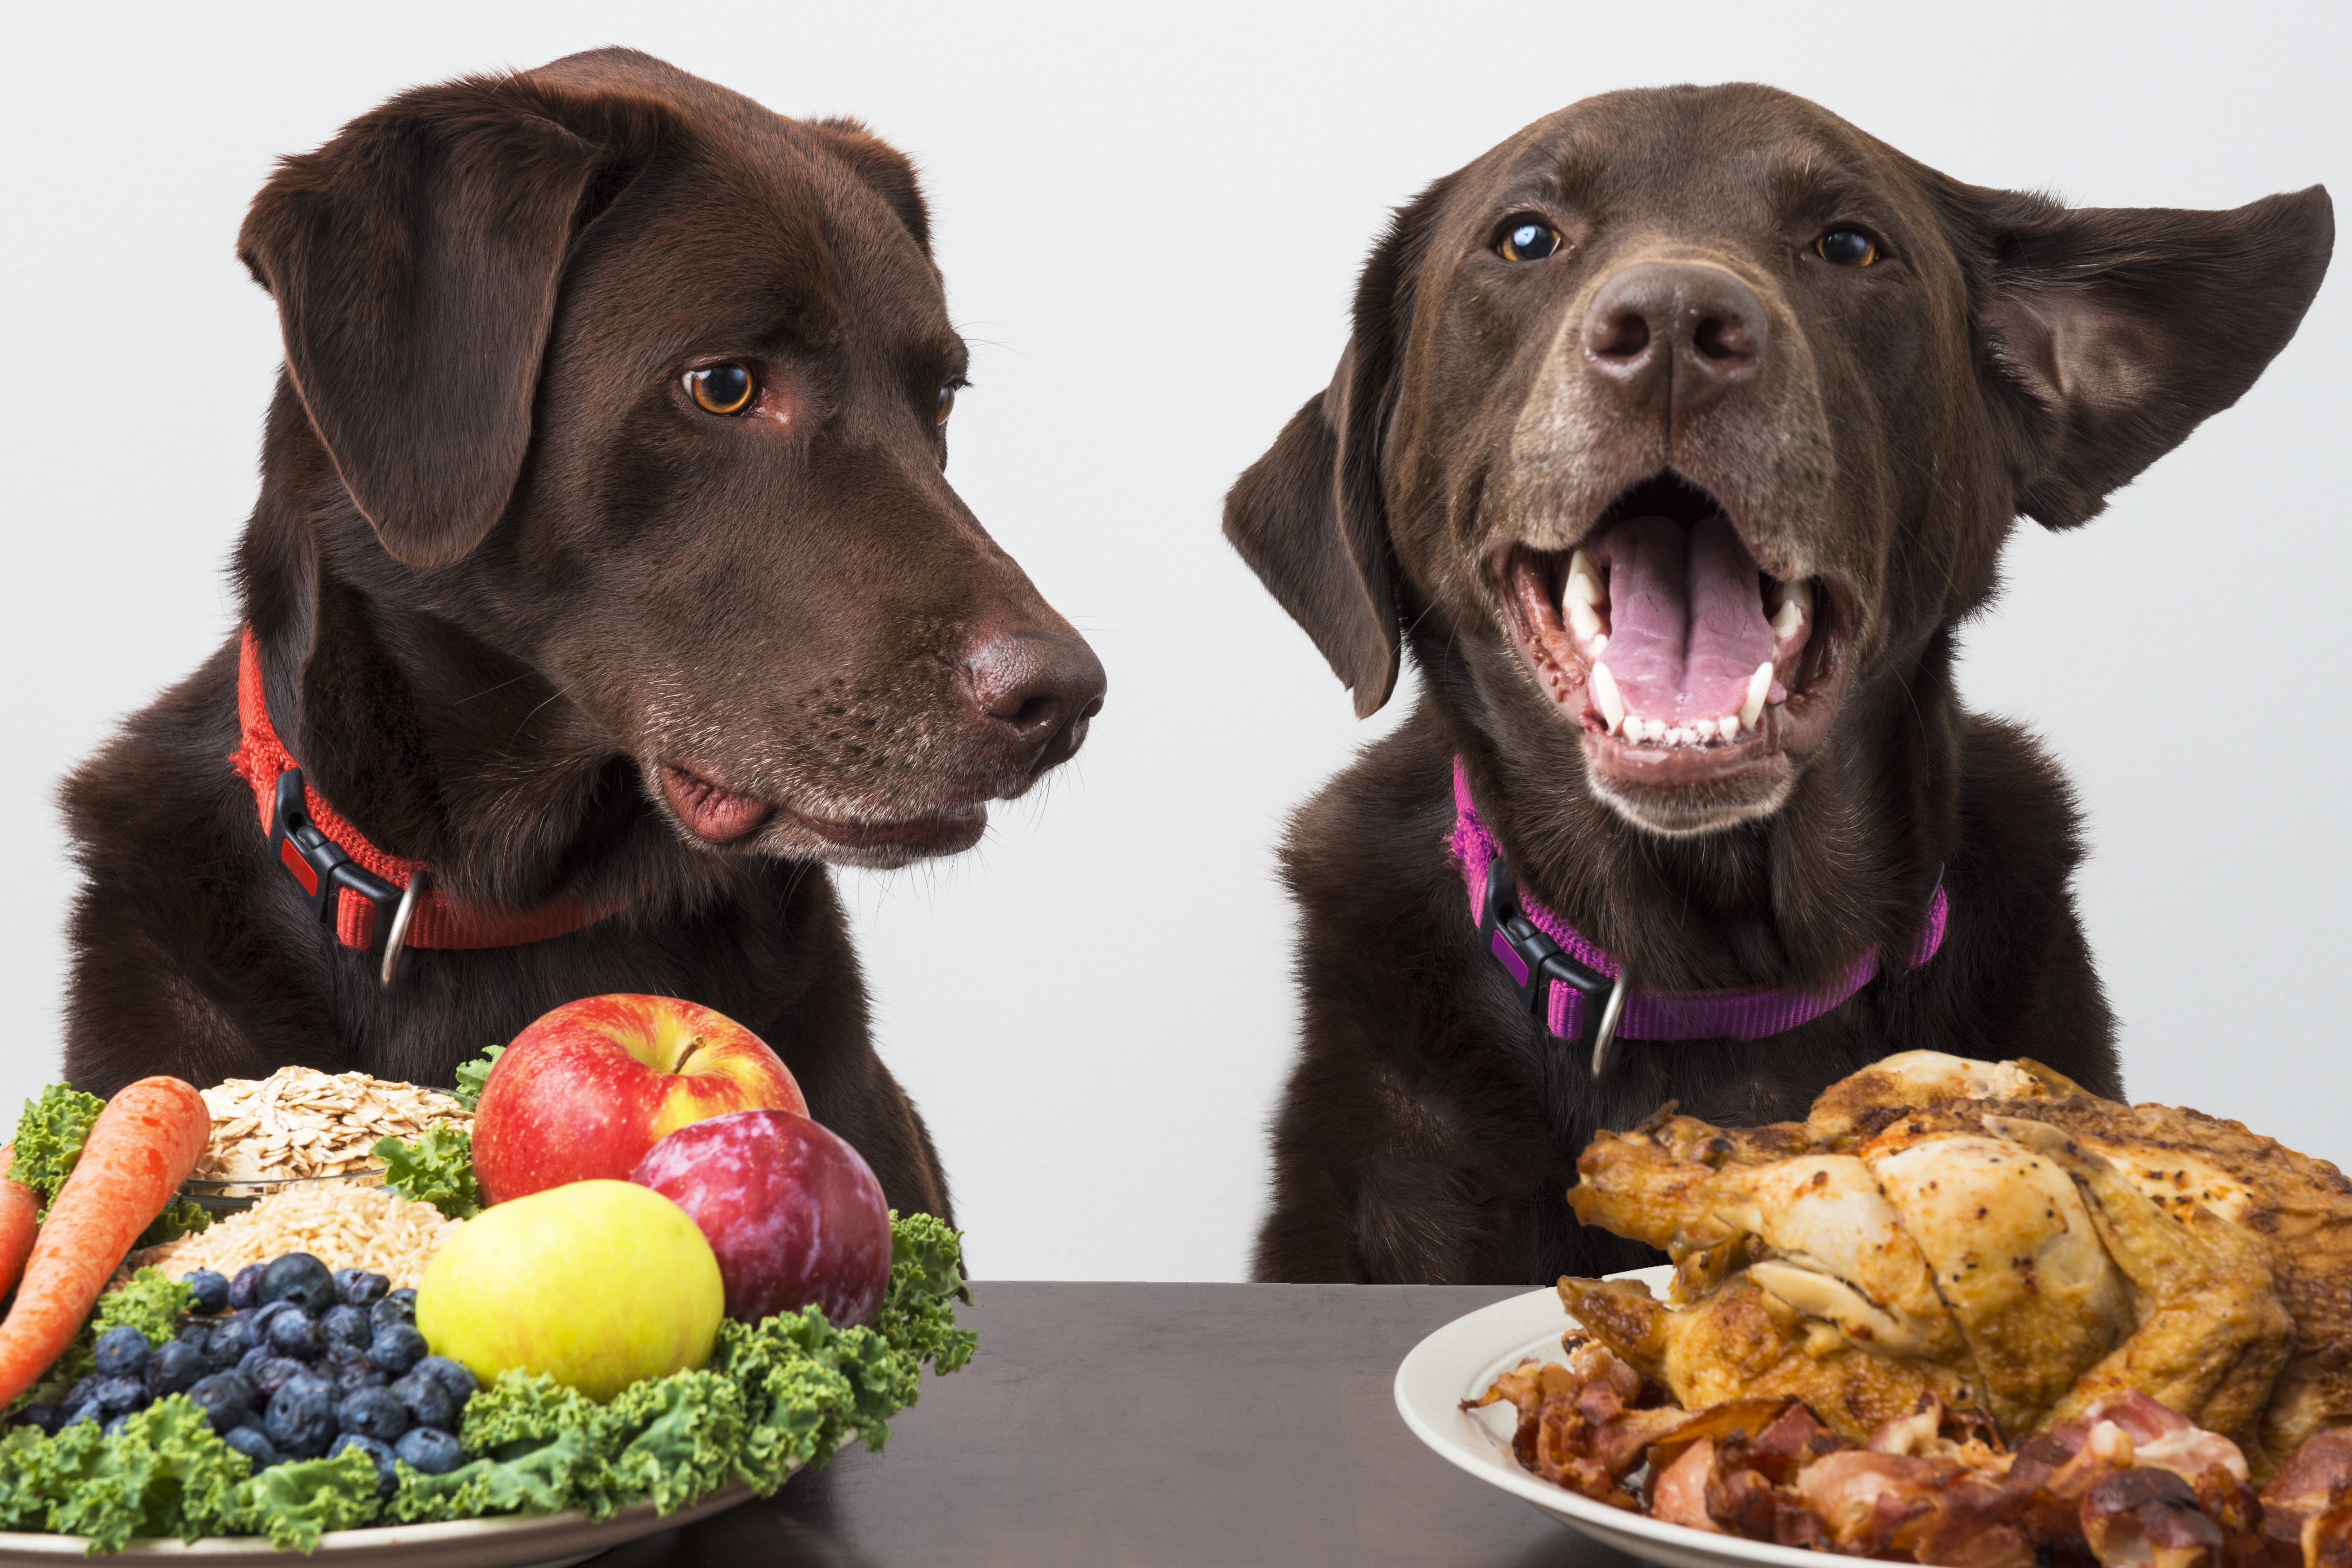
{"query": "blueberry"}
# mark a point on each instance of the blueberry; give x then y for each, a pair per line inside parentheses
(398, 1347)
(347, 1325)
(79, 1393)
(196, 1334)
(45, 1416)
(117, 1395)
(225, 1398)
(245, 1290)
(210, 1289)
(392, 1310)
(359, 1287)
(175, 1368)
(297, 1277)
(274, 1371)
(457, 1380)
(387, 1480)
(430, 1450)
(351, 1376)
(301, 1416)
(254, 1444)
(427, 1403)
(268, 1313)
(230, 1339)
(87, 1410)
(374, 1413)
(122, 1353)
(292, 1332)
(113, 1428)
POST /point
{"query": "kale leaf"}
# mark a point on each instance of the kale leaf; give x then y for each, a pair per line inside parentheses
(474, 1075)
(49, 1135)
(436, 1169)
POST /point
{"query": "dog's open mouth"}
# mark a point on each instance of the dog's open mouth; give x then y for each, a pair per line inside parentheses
(721, 816)
(1685, 662)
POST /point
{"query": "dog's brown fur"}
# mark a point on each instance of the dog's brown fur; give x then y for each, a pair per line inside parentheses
(2009, 355)
(504, 571)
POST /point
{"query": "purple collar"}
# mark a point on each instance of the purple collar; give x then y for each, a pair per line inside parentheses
(1582, 993)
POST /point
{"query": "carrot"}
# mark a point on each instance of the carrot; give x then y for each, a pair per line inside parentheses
(19, 1206)
(140, 1150)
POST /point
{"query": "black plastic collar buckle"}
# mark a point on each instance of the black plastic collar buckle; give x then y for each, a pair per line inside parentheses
(320, 868)
(1528, 958)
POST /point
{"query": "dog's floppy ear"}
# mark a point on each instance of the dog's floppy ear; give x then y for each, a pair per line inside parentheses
(414, 260)
(2114, 332)
(1311, 516)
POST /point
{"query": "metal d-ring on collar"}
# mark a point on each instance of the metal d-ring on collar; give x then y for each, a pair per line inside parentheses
(1531, 958)
(396, 939)
(1605, 1034)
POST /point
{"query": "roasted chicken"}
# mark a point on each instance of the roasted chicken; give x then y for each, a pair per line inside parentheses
(1989, 1234)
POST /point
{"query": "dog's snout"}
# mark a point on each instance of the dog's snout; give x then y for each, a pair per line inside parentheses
(1674, 336)
(1037, 690)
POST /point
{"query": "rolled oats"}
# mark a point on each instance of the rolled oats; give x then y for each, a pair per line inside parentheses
(299, 1121)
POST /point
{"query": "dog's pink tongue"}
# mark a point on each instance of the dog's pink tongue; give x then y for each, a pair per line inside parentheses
(1686, 626)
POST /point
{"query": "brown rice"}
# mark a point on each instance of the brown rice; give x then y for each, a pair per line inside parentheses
(343, 1225)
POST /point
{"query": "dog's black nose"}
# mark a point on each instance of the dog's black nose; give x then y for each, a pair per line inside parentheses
(1038, 692)
(1674, 336)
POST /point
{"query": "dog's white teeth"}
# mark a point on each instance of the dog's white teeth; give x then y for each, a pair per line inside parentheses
(1796, 609)
(1584, 584)
(1583, 596)
(1601, 643)
(1603, 688)
(1640, 731)
(1759, 686)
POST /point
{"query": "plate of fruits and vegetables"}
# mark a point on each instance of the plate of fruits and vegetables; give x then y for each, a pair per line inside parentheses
(620, 1335)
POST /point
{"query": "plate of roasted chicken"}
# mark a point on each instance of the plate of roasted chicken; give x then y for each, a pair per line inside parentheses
(1965, 1313)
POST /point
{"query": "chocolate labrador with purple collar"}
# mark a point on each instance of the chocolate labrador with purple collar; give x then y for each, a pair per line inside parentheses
(604, 587)
(1676, 436)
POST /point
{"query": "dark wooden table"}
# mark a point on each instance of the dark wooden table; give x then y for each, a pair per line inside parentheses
(1185, 1425)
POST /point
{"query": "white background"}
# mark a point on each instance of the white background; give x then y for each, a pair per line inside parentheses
(1150, 224)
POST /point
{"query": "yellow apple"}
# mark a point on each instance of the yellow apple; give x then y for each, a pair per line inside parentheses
(596, 1284)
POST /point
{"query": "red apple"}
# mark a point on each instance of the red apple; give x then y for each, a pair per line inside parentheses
(795, 1215)
(582, 1093)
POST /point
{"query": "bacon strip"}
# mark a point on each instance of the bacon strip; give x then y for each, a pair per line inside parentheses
(2131, 1484)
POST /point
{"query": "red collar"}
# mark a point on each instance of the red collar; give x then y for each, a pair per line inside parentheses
(377, 902)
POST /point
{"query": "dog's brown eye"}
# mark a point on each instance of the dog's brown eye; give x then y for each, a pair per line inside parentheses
(947, 405)
(722, 388)
(1529, 241)
(1846, 247)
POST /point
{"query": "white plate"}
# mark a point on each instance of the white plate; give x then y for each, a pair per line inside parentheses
(548, 1539)
(1462, 1360)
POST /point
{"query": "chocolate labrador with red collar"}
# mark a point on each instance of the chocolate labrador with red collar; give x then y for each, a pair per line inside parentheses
(1675, 437)
(604, 587)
